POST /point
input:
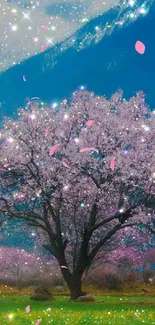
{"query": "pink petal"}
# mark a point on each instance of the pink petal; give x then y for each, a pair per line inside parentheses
(64, 101)
(140, 47)
(46, 132)
(123, 127)
(112, 164)
(132, 125)
(27, 309)
(43, 48)
(88, 149)
(90, 122)
(65, 164)
(53, 149)
(33, 198)
(38, 321)
(6, 165)
(20, 156)
(120, 22)
(63, 267)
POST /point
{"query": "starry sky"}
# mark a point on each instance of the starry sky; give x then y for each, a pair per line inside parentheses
(29, 27)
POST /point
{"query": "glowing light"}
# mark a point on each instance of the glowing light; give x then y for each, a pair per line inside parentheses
(32, 116)
(10, 316)
(131, 3)
(66, 187)
(54, 105)
(84, 20)
(76, 140)
(121, 210)
(142, 10)
(14, 27)
(10, 140)
(14, 11)
(26, 15)
(49, 40)
(146, 128)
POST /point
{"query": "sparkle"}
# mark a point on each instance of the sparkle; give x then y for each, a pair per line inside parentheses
(10, 140)
(10, 316)
(54, 105)
(14, 27)
(63, 25)
(32, 116)
(131, 3)
(26, 15)
(76, 140)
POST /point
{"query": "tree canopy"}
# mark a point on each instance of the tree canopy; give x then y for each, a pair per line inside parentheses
(82, 174)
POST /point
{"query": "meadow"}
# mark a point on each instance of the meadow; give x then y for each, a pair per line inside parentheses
(107, 310)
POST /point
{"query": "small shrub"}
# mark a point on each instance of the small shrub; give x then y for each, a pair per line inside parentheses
(130, 277)
(112, 282)
(147, 275)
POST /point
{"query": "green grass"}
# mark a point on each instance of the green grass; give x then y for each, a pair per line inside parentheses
(107, 310)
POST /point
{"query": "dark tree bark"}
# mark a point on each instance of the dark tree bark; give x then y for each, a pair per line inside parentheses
(74, 284)
(76, 289)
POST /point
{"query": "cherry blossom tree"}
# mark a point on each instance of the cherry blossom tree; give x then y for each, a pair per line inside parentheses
(82, 174)
(16, 263)
(22, 267)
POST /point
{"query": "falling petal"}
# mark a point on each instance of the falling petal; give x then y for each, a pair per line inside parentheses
(63, 267)
(53, 149)
(38, 321)
(112, 164)
(120, 22)
(46, 132)
(6, 165)
(140, 47)
(27, 309)
(88, 149)
(90, 122)
(65, 165)
(24, 79)
(64, 101)
(43, 48)
(45, 26)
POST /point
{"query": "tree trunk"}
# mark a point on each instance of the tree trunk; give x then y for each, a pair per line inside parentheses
(73, 282)
(18, 284)
(76, 290)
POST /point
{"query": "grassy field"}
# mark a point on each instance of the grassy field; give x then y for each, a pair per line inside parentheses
(107, 310)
